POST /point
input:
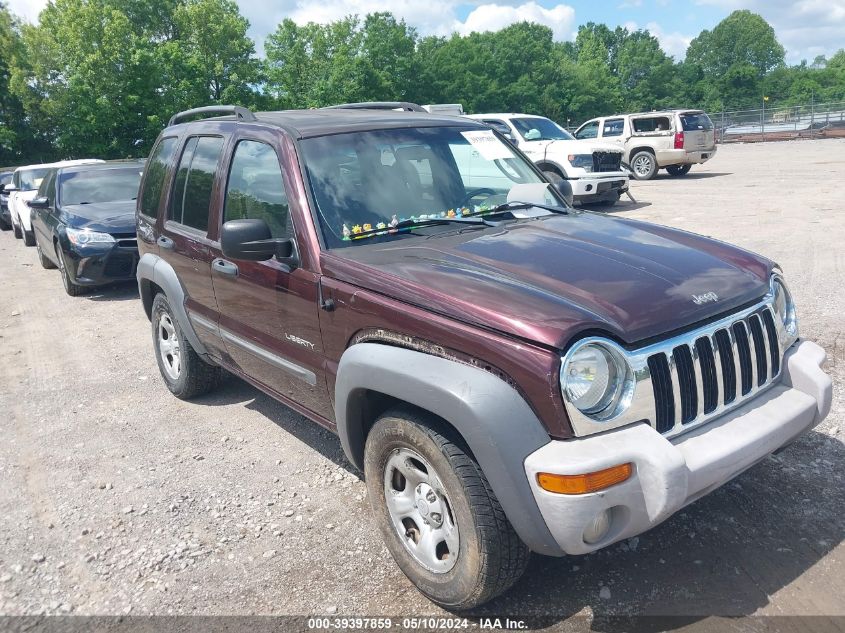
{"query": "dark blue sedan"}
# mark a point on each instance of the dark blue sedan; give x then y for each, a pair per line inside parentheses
(83, 218)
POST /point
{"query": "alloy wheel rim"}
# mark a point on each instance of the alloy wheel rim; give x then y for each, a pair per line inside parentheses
(168, 347)
(63, 270)
(642, 165)
(420, 511)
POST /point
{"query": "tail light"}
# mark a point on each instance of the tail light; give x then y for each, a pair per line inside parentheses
(679, 140)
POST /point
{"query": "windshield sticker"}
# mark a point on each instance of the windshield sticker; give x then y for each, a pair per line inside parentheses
(487, 144)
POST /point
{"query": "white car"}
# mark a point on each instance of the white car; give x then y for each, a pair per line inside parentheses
(24, 187)
(593, 169)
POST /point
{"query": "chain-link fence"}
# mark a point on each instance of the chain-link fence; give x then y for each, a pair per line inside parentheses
(780, 122)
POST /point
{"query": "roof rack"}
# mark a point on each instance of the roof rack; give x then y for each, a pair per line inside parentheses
(242, 114)
(378, 105)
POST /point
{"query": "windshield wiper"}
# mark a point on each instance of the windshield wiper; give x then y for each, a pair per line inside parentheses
(411, 223)
(516, 205)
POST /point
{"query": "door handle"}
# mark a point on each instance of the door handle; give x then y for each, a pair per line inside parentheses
(224, 267)
(165, 242)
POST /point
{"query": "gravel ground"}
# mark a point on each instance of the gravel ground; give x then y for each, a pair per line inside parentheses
(118, 498)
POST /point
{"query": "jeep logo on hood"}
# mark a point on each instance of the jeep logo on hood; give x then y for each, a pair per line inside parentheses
(707, 297)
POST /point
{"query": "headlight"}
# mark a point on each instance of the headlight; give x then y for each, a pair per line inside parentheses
(584, 161)
(594, 379)
(82, 237)
(785, 310)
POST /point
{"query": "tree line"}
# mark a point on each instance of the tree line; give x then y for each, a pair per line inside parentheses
(102, 77)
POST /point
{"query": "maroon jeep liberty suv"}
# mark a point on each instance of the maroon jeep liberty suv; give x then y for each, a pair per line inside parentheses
(511, 374)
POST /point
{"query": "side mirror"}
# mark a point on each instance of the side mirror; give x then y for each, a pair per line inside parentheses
(39, 203)
(251, 240)
(564, 189)
(9, 188)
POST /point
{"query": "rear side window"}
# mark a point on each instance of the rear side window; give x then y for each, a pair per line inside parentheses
(156, 171)
(652, 124)
(256, 189)
(191, 199)
(693, 121)
(613, 127)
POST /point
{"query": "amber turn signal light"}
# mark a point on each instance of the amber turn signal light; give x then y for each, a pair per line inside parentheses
(582, 484)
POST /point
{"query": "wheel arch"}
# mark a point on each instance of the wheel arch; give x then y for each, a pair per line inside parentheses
(549, 165)
(488, 415)
(155, 275)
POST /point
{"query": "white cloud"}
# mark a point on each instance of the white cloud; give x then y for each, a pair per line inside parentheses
(674, 44)
(806, 28)
(631, 4)
(493, 17)
(26, 9)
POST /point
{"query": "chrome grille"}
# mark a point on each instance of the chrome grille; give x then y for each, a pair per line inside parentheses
(684, 381)
(705, 372)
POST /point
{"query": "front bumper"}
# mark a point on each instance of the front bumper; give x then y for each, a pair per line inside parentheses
(589, 187)
(96, 264)
(668, 474)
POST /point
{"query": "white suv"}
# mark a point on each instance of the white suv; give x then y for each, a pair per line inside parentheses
(673, 139)
(23, 188)
(593, 169)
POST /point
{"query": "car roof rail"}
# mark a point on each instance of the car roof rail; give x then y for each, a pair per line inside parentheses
(241, 113)
(378, 105)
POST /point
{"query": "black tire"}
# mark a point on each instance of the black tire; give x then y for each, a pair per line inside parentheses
(194, 376)
(490, 558)
(552, 176)
(678, 170)
(643, 165)
(17, 231)
(46, 262)
(73, 289)
(28, 238)
(4, 226)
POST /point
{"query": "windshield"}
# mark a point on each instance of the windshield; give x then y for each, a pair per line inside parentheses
(100, 185)
(540, 129)
(30, 179)
(693, 121)
(6, 178)
(365, 181)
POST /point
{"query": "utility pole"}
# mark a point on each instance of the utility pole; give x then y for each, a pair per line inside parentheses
(763, 118)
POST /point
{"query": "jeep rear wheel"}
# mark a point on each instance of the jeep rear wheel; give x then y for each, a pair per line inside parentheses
(643, 165)
(437, 513)
(678, 170)
(184, 372)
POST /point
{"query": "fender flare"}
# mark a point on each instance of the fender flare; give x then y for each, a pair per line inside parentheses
(493, 419)
(546, 162)
(153, 268)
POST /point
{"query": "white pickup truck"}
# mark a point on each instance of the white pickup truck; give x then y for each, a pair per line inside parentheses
(593, 169)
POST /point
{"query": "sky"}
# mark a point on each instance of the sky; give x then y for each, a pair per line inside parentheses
(806, 28)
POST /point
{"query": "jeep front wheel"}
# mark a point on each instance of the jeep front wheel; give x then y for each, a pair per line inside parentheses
(643, 165)
(438, 515)
(184, 372)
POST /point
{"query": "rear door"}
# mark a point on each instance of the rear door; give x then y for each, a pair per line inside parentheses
(269, 317)
(184, 240)
(699, 134)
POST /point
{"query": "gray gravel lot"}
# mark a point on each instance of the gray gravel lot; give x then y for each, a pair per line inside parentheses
(117, 498)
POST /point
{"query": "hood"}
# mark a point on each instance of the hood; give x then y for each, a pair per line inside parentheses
(105, 217)
(549, 279)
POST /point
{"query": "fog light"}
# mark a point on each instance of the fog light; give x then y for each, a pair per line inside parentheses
(589, 187)
(597, 529)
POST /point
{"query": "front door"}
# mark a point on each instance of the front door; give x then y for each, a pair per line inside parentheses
(268, 313)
